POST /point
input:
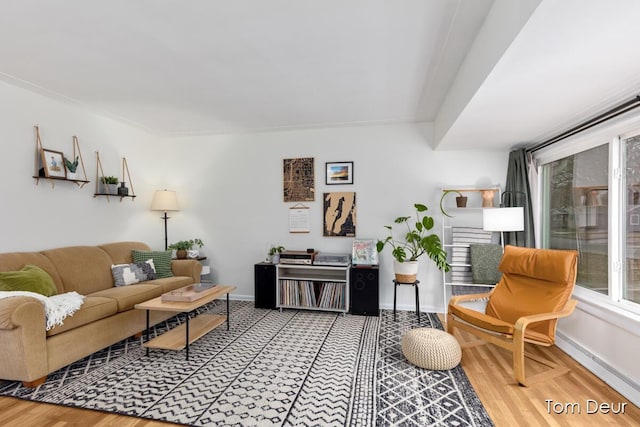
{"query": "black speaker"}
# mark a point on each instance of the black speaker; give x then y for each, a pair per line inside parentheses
(364, 298)
(265, 285)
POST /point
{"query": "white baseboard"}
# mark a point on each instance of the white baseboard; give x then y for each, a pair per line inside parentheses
(607, 373)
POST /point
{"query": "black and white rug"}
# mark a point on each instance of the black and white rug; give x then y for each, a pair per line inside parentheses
(272, 368)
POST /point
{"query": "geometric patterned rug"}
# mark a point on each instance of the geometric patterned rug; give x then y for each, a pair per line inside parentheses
(272, 368)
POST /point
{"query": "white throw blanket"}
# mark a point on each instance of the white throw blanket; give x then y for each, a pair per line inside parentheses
(56, 307)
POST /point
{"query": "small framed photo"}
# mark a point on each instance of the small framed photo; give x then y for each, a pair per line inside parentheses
(53, 164)
(339, 173)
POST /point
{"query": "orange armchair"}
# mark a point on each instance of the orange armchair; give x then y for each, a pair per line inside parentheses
(533, 293)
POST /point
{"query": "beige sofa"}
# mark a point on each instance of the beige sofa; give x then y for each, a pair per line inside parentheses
(28, 352)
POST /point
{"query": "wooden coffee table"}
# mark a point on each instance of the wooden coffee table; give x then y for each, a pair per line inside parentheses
(180, 337)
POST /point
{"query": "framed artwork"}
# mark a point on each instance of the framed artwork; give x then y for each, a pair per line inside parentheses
(339, 173)
(53, 164)
(298, 180)
(364, 252)
(340, 214)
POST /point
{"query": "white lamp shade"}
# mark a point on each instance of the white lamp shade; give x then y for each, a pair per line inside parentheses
(503, 219)
(165, 200)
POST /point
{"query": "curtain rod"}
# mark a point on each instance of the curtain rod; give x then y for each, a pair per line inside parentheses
(607, 115)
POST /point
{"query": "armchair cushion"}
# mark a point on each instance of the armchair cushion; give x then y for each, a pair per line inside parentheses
(520, 292)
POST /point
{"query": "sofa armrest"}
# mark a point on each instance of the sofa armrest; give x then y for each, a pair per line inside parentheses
(23, 339)
(187, 267)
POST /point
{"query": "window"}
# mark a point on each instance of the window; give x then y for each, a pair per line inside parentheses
(631, 222)
(575, 212)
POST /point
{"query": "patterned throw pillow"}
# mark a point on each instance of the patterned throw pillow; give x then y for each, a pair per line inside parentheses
(161, 260)
(128, 274)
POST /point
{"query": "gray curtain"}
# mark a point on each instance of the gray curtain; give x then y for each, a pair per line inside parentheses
(517, 192)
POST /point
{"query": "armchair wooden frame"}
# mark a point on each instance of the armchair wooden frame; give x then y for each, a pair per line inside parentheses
(513, 343)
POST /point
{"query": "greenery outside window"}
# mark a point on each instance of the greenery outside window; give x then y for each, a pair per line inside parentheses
(575, 212)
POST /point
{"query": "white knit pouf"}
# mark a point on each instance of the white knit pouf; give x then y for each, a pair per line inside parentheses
(431, 349)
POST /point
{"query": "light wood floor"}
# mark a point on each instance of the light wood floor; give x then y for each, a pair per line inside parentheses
(488, 367)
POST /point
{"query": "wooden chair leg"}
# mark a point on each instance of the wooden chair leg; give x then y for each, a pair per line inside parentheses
(34, 383)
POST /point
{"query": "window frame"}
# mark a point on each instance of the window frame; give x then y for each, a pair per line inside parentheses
(611, 307)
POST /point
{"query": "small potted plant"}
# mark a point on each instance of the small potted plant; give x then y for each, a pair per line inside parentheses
(416, 243)
(274, 253)
(109, 185)
(461, 200)
(185, 247)
(71, 168)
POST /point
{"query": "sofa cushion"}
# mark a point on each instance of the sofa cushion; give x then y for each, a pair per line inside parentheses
(16, 260)
(161, 260)
(120, 252)
(84, 269)
(128, 274)
(29, 278)
(93, 308)
(128, 296)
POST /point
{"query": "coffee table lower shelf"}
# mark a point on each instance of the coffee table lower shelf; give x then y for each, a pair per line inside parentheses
(175, 339)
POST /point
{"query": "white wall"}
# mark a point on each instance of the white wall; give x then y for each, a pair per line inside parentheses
(35, 217)
(235, 190)
(229, 187)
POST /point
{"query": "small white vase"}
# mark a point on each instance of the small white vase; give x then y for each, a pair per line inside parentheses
(406, 272)
(72, 175)
(275, 258)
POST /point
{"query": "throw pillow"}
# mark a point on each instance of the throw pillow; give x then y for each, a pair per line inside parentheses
(484, 263)
(29, 278)
(128, 274)
(161, 260)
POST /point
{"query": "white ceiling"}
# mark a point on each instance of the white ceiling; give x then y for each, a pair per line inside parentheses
(488, 74)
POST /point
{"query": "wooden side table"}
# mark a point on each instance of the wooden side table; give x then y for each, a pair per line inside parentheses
(395, 296)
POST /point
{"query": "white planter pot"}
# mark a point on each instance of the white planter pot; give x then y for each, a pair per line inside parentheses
(406, 272)
(72, 175)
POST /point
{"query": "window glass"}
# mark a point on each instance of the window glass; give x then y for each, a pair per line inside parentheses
(575, 212)
(631, 287)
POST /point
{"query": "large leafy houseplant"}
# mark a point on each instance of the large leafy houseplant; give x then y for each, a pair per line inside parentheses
(417, 240)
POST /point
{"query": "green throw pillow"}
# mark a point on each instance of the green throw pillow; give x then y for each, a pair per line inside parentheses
(161, 260)
(484, 263)
(29, 278)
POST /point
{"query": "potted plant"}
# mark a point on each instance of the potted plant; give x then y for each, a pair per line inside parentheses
(416, 242)
(461, 200)
(109, 185)
(274, 253)
(71, 168)
(184, 246)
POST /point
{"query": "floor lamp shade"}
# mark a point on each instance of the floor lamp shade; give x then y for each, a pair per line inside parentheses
(165, 201)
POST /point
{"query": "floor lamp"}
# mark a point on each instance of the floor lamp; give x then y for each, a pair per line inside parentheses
(503, 219)
(166, 201)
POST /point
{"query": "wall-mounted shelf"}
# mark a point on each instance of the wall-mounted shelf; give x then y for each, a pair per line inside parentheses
(41, 171)
(125, 173)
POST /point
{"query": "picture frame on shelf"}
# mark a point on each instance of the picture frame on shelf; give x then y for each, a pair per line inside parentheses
(339, 173)
(364, 252)
(53, 164)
